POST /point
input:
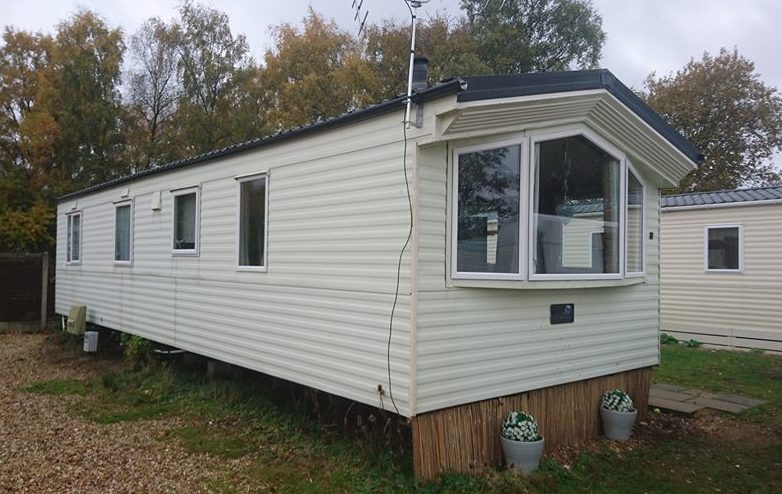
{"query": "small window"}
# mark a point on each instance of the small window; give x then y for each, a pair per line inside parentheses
(724, 246)
(576, 218)
(252, 222)
(186, 222)
(73, 254)
(487, 200)
(123, 233)
(634, 243)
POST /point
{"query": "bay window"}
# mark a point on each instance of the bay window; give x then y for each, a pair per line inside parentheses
(556, 206)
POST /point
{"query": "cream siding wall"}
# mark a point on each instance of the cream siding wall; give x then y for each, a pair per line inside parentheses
(479, 343)
(741, 309)
(338, 216)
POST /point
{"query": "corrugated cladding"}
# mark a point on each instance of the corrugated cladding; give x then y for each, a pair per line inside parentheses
(737, 309)
(478, 343)
(338, 216)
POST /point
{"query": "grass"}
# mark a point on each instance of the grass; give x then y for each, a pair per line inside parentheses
(289, 449)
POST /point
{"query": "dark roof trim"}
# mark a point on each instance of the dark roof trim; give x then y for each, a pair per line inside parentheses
(508, 86)
(705, 199)
(442, 89)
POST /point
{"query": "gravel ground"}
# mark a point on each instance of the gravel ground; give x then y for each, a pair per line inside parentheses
(45, 449)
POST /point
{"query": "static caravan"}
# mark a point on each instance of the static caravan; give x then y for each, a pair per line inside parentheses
(500, 252)
(721, 276)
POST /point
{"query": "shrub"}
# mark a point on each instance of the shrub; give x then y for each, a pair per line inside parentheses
(618, 401)
(136, 348)
(667, 339)
(520, 426)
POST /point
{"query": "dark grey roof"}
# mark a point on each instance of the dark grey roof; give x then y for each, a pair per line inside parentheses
(723, 197)
(468, 89)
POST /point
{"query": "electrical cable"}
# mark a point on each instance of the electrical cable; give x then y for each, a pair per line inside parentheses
(407, 240)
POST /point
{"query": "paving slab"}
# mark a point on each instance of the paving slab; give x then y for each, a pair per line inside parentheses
(671, 387)
(671, 395)
(674, 405)
(741, 400)
(723, 406)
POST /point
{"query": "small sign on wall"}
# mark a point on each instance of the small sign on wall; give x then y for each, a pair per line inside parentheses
(563, 313)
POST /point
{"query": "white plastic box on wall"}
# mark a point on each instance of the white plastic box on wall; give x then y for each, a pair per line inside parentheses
(90, 341)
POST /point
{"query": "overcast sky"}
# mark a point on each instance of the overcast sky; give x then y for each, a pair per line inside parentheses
(643, 35)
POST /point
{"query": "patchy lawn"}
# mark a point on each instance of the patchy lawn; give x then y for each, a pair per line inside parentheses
(251, 436)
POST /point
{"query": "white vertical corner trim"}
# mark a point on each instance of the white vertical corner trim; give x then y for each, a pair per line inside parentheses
(706, 228)
(550, 134)
(644, 234)
(521, 142)
(69, 237)
(239, 180)
(117, 205)
(195, 189)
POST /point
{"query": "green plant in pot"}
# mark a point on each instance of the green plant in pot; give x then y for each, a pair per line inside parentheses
(521, 441)
(618, 414)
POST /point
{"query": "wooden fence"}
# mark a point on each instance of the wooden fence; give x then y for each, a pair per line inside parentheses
(26, 290)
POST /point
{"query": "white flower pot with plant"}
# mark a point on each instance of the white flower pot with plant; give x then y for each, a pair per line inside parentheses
(521, 441)
(618, 415)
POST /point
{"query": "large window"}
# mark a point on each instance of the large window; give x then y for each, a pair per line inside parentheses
(634, 246)
(560, 205)
(488, 182)
(723, 249)
(73, 249)
(252, 222)
(576, 219)
(123, 233)
(186, 218)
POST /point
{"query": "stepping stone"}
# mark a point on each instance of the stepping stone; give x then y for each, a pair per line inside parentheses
(671, 395)
(723, 406)
(741, 400)
(674, 405)
(668, 387)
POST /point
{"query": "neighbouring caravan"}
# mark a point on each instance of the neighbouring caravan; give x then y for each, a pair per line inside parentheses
(721, 276)
(524, 209)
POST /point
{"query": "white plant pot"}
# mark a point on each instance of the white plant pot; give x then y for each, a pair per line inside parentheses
(521, 455)
(618, 425)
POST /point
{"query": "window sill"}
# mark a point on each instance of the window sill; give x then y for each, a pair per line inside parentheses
(251, 269)
(185, 253)
(545, 284)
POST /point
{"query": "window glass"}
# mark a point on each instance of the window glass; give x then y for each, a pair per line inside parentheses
(723, 248)
(122, 233)
(488, 211)
(74, 238)
(252, 219)
(576, 213)
(635, 234)
(185, 221)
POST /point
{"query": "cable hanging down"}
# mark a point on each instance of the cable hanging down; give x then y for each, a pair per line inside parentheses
(412, 6)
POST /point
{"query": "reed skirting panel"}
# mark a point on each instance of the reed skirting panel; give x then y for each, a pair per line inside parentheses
(465, 437)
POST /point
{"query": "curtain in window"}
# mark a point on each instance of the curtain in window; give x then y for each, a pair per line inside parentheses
(252, 219)
(122, 234)
(576, 216)
(185, 212)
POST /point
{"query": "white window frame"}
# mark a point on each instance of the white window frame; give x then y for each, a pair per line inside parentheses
(195, 252)
(594, 138)
(740, 227)
(69, 237)
(522, 142)
(239, 180)
(117, 205)
(631, 169)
